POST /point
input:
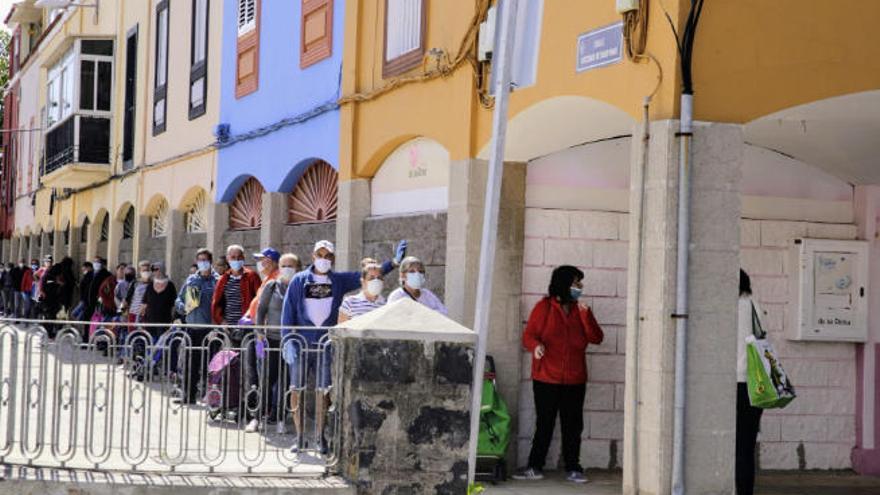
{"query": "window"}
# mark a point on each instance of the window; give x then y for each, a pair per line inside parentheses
(105, 229)
(404, 35)
(160, 88)
(196, 216)
(128, 224)
(130, 103)
(60, 89)
(159, 220)
(316, 31)
(198, 71)
(247, 16)
(247, 48)
(84, 231)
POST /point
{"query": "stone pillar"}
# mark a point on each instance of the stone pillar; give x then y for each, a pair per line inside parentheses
(403, 396)
(92, 236)
(73, 246)
(141, 236)
(114, 234)
(174, 266)
(218, 223)
(354, 208)
(58, 245)
(714, 275)
(15, 251)
(467, 192)
(44, 245)
(274, 219)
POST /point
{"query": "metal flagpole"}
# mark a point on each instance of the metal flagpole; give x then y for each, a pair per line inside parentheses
(502, 58)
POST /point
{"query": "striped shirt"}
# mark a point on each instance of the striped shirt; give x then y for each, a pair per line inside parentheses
(358, 304)
(137, 299)
(232, 294)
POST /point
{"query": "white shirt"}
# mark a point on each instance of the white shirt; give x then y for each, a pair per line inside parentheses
(743, 330)
(319, 303)
(358, 304)
(426, 297)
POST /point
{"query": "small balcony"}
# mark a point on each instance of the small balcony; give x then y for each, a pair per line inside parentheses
(77, 152)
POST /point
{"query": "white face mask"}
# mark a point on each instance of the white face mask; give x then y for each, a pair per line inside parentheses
(375, 286)
(145, 276)
(287, 273)
(323, 265)
(415, 280)
(236, 265)
(97, 266)
(203, 266)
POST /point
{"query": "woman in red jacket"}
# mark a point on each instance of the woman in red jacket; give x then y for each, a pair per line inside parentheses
(557, 334)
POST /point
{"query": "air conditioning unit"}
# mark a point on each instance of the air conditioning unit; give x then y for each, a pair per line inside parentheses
(486, 37)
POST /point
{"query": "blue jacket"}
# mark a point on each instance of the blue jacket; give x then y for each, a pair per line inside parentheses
(202, 314)
(293, 312)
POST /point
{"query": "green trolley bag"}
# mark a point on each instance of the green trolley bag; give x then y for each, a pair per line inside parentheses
(768, 384)
(494, 424)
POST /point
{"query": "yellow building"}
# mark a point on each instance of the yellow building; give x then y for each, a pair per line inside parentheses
(126, 165)
(785, 99)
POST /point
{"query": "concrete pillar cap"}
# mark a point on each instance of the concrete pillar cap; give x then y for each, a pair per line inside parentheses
(405, 319)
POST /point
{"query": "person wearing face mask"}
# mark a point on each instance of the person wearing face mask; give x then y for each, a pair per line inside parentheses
(313, 300)
(24, 287)
(194, 301)
(159, 299)
(37, 293)
(122, 283)
(370, 296)
(99, 288)
(557, 334)
(412, 285)
(8, 291)
(81, 311)
(134, 298)
(268, 313)
(235, 290)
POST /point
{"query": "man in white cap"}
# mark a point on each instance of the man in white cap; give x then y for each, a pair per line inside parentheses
(312, 300)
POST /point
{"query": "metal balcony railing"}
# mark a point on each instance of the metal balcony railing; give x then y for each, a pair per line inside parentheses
(114, 396)
(78, 139)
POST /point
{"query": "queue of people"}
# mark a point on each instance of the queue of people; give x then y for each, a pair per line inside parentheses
(255, 308)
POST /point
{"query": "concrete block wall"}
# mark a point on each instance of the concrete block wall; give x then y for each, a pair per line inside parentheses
(153, 249)
(189, 244)
(248, 239)
(595, 242)
(426, 236)
(817, 431)
(301, 239)
(126, 251)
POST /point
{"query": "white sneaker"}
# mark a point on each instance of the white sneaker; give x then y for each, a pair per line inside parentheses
(577, 477)
(252, 427)
(280, 429)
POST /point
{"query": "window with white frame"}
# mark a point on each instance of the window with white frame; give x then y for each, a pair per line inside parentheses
(60, 89)
(199, 59)
(95, 75)
(404, 35)
(160, 87)
(247, 16)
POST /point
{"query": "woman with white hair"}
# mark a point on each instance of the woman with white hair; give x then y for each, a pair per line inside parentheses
(412, 285)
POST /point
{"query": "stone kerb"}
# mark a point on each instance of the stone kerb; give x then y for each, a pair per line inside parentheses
(404, 399)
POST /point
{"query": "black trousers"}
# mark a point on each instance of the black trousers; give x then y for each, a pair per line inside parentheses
(566, 401)
(748, 423)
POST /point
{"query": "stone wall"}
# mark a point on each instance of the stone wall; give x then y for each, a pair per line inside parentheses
(301, 239)
(405, 416)
(102, 249)
(126, 251)
(595, 242)
(153, 249)
(248, 239)
(426, 235)
(817, 431)
(189, 244)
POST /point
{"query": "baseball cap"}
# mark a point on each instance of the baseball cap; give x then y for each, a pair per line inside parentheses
(270, 253)
(326, 245)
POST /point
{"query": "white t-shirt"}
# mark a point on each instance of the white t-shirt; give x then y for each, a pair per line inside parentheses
(319, 299)
(426, 297)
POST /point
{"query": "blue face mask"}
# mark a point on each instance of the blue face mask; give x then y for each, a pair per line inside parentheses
(576, 293)
(203, 266)
(236, 265)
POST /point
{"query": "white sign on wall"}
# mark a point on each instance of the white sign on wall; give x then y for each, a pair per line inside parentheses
(831, 285)
(414, 178)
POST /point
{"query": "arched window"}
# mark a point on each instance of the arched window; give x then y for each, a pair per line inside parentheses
(314, 198)
(196, 214)
(246, 210)
(128, 224)
(105, 228)
(66, 234)
(84, 231)
(159, 220)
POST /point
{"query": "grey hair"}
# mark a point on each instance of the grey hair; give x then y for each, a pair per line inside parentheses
(145, 262)
(408, 263)
(235, 247)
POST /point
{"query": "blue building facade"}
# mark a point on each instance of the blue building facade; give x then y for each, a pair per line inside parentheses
(280, 82)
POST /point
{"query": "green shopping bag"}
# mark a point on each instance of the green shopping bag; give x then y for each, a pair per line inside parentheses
(494, 423)
(768, 384)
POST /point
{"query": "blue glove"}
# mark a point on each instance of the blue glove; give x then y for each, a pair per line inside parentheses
(400, 253)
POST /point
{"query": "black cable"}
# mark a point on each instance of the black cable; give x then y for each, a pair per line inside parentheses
(685, 43)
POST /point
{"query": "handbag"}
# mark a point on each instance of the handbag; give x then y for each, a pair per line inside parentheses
(768, 384)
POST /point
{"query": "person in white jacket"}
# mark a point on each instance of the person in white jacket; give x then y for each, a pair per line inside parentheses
(412, 285)
(748, 418)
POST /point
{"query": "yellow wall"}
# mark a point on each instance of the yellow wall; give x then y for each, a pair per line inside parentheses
(752, 58)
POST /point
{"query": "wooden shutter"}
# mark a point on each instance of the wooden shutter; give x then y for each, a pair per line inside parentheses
(247, 67)
(316, 31)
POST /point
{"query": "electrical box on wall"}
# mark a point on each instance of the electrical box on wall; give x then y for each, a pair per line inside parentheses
(829, 286)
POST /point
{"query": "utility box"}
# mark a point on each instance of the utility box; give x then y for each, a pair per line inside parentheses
(829, 285)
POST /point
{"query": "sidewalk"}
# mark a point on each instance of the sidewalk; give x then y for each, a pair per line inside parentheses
(776, 483)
